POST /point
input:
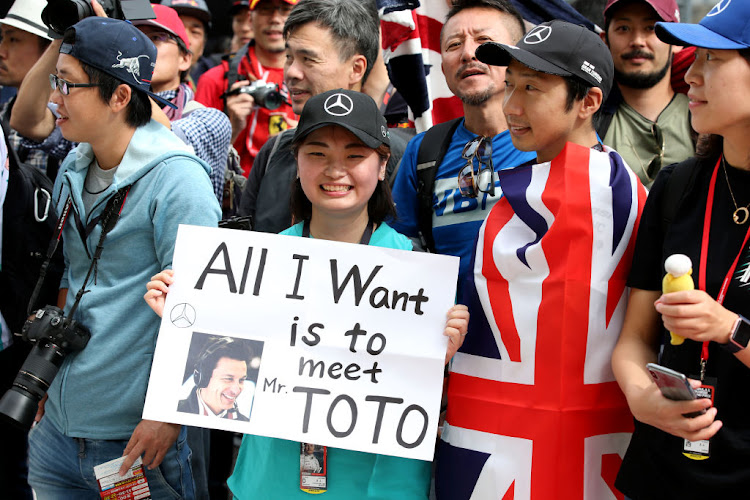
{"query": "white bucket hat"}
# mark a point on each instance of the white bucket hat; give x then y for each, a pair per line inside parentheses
(26, 15)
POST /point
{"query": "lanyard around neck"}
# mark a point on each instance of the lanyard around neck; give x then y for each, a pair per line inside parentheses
(366, 235)
(702, 271)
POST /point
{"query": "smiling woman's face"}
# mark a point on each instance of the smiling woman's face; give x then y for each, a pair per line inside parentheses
(338, 173)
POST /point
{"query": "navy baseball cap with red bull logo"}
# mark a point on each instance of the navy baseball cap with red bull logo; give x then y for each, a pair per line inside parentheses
(557, 48)
(117, 48)
(725, 27)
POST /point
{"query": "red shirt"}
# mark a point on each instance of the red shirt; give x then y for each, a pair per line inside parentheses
(261, 122)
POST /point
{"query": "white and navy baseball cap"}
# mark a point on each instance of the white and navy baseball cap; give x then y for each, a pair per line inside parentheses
(726, 27)
(26, 15)
(354, 111)
(117, 48)
(558, 48)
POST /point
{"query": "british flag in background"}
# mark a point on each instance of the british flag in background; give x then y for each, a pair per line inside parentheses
(411, 47)
(534, 411)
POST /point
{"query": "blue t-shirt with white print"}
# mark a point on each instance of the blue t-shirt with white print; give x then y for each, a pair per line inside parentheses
(455, 220)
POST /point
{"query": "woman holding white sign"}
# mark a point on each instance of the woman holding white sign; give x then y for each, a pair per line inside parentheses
(342, 146)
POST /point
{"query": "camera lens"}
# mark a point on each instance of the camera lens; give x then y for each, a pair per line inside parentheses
(19, 404)
(272, 100)
(60, 15)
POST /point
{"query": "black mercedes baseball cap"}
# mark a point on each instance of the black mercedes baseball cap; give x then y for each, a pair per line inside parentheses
(354, 111)
(558, 48)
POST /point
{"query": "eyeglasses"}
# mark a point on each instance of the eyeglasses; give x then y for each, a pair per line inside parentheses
(160, 37)
(64, 86)
(471, 182)
(268, 9)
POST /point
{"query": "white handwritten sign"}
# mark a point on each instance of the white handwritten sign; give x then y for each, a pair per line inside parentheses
(346, 340)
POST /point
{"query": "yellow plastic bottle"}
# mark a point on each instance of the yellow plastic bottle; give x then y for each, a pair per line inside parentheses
(678, 278)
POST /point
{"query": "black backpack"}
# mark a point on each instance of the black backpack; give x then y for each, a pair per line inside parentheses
(431, 152)
(28, 225)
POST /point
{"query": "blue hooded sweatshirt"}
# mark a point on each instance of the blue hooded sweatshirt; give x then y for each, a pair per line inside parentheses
(99, 392)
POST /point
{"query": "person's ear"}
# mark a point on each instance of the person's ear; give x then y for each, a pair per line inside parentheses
(603, 36)
(383, 164)
(186, 59)
(120, 97)
(357, 70)
(591, 103)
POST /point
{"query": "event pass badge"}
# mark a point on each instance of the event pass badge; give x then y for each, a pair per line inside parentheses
(113, 486)
(313, 468)
(700, 450)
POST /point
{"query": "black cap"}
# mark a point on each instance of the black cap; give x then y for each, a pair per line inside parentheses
(558, 48)
(195, 8)
(354, 111)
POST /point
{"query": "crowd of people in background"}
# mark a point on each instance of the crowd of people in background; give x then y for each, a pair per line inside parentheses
(579, 162)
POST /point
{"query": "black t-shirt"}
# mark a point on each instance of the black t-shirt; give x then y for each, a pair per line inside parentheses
(654, 466)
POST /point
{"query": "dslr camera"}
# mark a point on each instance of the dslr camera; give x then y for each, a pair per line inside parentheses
(59, 15)
(266, 95)
(54, 336)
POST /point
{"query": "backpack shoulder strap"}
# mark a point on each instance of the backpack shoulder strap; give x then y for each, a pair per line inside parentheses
(429, 157)
(275, 145)
(679, 183)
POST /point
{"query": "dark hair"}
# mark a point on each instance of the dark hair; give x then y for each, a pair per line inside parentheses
(139, 108)
(222, 347)
(577, 90)
(501, 5)
(379, 208)
(354, 26)
(710, 146)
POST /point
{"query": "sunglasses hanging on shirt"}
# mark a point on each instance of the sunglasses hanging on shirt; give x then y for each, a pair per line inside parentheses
(477, 176)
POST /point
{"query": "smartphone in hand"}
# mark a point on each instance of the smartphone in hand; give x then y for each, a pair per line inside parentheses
(673, 385)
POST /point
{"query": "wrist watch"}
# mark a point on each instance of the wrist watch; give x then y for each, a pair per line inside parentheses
(740, 336)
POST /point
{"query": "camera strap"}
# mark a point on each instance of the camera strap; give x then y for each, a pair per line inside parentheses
(109, 218)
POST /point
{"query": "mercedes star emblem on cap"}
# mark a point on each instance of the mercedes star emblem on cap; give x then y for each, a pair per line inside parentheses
(338, 105)
(719, 8)
(538, 35)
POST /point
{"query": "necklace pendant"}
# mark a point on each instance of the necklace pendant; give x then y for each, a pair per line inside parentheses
(740, 215)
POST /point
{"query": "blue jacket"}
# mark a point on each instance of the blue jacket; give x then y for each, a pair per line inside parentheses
(99, 391)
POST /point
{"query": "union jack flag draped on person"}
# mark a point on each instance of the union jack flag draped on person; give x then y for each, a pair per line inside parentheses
(534, 411)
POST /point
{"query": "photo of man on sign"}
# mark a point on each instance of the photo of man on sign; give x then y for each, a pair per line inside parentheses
(223, 376)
